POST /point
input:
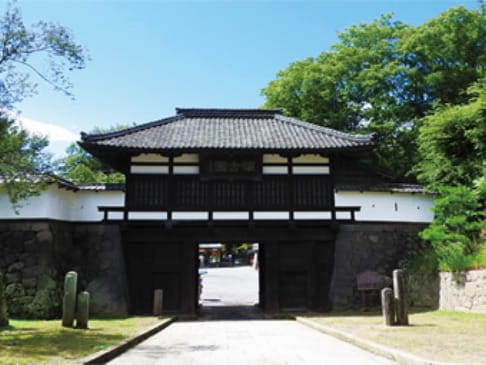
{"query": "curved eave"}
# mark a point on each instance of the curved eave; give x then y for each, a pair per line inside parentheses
(94, 147)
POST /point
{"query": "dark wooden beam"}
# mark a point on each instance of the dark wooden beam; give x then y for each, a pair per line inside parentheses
(234, 234)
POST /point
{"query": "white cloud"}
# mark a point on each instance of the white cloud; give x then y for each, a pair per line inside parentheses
(53, 132)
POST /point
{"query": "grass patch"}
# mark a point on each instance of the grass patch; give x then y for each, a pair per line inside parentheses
(434, 335)
(35, 341)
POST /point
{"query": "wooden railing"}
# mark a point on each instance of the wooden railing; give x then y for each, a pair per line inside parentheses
(333, 213)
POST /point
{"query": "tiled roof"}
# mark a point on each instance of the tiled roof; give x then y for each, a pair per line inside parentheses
(62, 183)
(265, 129)
(385, 187)
(389, 187)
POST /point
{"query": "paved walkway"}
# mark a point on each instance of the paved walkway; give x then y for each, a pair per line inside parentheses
(237, 285)
(230, 293)
(248, 342)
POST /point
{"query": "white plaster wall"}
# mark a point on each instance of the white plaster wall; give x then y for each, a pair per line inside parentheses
(85, 207)
(62, 204)
(52, 203)
(387, 206)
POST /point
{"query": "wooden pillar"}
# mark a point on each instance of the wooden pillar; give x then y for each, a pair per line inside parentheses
(158, 302)
(313, 283)
(271, 277)
(261, 275)
(189, 270)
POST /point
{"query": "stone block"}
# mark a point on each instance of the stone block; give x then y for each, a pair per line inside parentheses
(17, 266)
(24, 300)
(30, 260)
(19, 227)
(45, 283)
(44, 236)
(373, 238)
(107, 244)
(9, 259)
(106, 298)
(46, 304)
(464, 291)
(12, 277)
(14, 290)
(105, 261)
(29, 282)
(470, 289)
(29, 243)
(37, 227)
(32, 271)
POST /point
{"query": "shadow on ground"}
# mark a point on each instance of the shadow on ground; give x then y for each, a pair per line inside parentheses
(230, 312)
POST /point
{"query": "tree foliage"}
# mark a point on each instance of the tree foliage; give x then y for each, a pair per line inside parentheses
(43, 52)
(79, 166)
(452, 143)
(455, 232)
(20, 48)
(24, 164)
(383, 77)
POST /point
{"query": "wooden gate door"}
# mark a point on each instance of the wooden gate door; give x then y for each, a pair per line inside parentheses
(170, 266)
(297, 275)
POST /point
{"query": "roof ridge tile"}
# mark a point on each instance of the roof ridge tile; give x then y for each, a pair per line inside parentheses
(227, 113)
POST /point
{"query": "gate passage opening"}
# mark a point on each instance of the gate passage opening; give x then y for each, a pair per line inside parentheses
(228, 274)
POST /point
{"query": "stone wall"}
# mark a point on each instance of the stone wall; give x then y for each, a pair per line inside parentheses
(368, 246)
(463, 291)
(423, 289)
(35, 256)
(98, 256)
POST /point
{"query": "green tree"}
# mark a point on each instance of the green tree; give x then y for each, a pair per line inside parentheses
(43, 52)
(24, 164)
(79, 166)
(455, 232)
(452, 143)
(384, 77)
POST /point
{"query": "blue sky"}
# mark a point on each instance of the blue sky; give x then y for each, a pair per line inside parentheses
(148, 57)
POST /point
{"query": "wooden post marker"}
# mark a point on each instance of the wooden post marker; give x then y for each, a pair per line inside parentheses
(387, 306)
(69, 299)
(401, 297)
(83, 310)
(158, 300)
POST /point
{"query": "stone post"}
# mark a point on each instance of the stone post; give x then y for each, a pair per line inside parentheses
(401, 297)
(387, 306)
(3, 304)
(158, 301)
(82, 314)
(69, 298)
